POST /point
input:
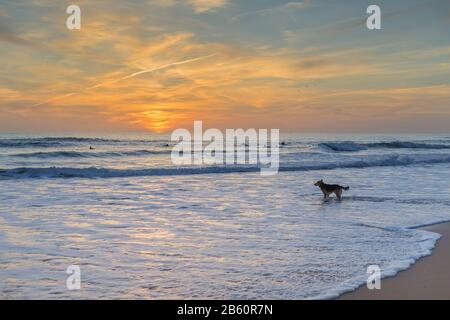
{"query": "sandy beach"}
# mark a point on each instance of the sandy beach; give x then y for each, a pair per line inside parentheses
(427, 279)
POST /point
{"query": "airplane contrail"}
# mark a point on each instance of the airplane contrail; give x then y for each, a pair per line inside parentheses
(53, 99)
(164, 66)
(151, 70)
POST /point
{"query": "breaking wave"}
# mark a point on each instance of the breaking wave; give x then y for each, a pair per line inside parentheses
(342, 146)
(49, 142)
(78, 154)
(93, 172)
(348, 146)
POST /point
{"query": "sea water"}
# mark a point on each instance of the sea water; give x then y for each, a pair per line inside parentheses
(141, 228)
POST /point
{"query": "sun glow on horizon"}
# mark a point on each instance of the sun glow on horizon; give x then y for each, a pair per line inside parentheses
(156, 121)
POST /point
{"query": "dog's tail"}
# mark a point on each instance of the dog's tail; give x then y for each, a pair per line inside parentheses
(346, 188)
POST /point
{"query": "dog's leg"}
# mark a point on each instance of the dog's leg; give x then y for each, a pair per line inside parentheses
(338, 193)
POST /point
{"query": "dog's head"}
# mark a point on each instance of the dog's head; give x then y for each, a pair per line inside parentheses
(318, 183)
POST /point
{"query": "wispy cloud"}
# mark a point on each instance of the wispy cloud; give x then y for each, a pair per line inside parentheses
(198, 5)
(295, 5)
(10, 36)
(132, 75)
(207, 5)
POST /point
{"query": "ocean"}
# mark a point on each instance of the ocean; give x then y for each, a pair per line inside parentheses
(141, 228)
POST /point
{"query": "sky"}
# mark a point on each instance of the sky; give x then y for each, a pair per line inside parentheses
(158, 65)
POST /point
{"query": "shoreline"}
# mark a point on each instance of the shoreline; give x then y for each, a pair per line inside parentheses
(428, 278)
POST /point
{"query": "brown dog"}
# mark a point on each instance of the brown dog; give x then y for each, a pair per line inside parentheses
(328, 189)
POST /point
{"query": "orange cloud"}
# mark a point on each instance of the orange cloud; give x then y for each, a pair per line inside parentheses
(122, 73)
